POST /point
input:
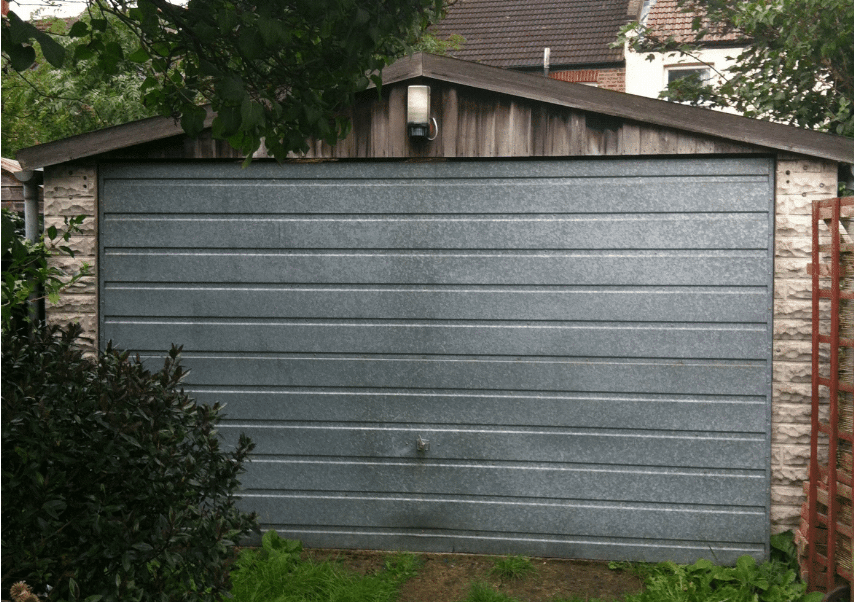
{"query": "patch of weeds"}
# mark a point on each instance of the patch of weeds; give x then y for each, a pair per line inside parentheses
(401, 567)
(640, 570)
(483, 592)
(276, 573)
(513, 567)
(772, 581)
(576, 599)
(783, 549)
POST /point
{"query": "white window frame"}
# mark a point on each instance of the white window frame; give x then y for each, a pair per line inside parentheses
(705, 70)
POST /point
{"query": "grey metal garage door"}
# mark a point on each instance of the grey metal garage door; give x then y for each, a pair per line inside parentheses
(584, 346)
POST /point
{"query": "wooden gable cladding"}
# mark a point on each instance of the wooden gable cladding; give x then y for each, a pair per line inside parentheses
(472, 123)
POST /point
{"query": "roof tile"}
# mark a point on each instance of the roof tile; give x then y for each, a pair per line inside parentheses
(514, 33)
(667, 18)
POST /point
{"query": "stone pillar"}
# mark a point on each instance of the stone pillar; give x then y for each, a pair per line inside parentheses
(71, 191)
(799, 182)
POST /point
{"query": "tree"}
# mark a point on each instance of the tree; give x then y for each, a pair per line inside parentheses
(278, 70)
(797, 65)
(45, 103)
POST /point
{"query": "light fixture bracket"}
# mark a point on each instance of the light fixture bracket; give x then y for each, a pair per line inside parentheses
(417, 116)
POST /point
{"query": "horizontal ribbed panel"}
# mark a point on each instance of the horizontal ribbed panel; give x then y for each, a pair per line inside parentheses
(514, 481)
(600, 339)
(585, 345)
(624, 304)
(255, 404)
(642, 268)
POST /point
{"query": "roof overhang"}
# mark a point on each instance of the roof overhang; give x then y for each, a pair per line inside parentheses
(765, 134)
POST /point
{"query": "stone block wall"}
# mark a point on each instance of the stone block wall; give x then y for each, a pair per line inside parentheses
(799, 182)
(71, 191)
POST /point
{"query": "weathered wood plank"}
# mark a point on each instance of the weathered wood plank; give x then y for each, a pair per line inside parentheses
(558, 138)
(649, 141)
(379, 132)
(630, 139)
(449, 124)
(540, 131)
(396, 121)
(594, 142)
(686, 144)
(467, 143)
(502, 130)
(521, 128)
(13, 194)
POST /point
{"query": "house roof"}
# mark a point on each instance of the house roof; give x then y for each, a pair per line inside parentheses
(512, 33)
(651, 111)
(666, 18)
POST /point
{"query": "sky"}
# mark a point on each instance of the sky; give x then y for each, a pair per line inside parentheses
(60, 8)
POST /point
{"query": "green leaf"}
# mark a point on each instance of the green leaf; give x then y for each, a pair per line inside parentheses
(252, 114)
(250, 44)
(746, 563)
(19, 32)
(138, 56)
(227, 122)
(193, 121)
(78, 30)
(54, 53)
(83, 52)
(231, 89)
(701, 565)
(271, 31)
(21, 57)
(209, 69)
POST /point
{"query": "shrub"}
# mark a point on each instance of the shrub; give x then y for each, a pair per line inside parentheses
(26, 272)
(114, 483)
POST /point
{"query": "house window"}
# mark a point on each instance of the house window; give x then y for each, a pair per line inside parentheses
(676, 73)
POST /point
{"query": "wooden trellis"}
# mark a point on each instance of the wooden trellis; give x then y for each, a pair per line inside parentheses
(825, 538)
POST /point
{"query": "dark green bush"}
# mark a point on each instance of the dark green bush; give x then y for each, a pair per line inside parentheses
(114, 483)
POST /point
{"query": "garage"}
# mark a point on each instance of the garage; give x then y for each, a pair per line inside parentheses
(570, 325)
(526, 356)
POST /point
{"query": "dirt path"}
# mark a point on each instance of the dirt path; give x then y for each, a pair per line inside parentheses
(448, 577)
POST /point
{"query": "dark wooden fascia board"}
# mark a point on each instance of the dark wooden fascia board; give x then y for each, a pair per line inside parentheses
(409, 67)
(102, 141)
(641, 109)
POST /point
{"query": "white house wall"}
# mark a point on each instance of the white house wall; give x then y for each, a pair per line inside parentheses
(649, 78)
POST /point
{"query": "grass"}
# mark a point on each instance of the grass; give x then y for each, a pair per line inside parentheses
(276, 573)
(483, 592)
(513, 567)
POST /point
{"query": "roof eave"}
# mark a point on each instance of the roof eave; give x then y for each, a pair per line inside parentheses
(525, 85)
(102, 141)
(639, 108)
